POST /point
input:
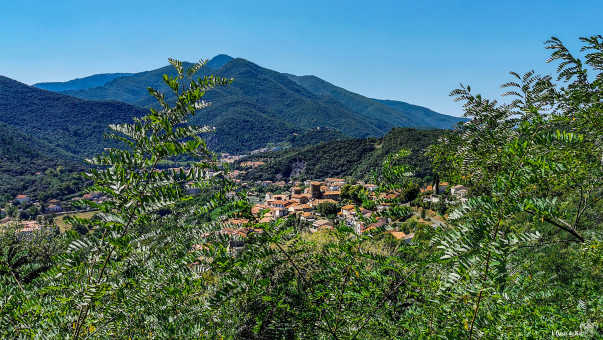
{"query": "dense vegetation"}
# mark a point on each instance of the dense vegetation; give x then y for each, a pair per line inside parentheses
(332, 159)
(71, 124)
(521, 259)
(314, 136)
(33, 167)
(350, 157)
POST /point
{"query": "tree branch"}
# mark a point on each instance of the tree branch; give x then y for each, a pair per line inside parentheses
(561, 225)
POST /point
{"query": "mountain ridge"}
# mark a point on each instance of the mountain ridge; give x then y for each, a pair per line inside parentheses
(263, 106)
(404, 115)
(94, 80)
(374, 117)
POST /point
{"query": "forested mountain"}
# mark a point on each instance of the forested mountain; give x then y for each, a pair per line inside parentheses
(25, 162)
(67, 123)
(81, 83)
(259, 107)
(350, 157)
(18, 145)
(263, 106)
(394, 112)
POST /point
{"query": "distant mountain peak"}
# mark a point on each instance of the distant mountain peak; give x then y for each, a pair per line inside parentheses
(218, 61)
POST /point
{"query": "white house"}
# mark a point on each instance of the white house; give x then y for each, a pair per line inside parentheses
(459, 191)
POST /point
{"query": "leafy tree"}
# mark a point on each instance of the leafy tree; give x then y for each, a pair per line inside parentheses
(327, 209)
(534, 162)
(352, 194)
(11, 210)
(409, 193)
(105, 285)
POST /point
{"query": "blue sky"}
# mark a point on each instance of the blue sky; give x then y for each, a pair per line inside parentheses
(404, 50)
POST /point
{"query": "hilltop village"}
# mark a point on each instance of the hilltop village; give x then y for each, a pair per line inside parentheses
(321, 204)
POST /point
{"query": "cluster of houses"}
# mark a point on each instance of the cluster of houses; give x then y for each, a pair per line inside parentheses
(52, 206)
(459, 193)
(228, 158)
(300, 199)
(55, 206)
(25, 227)
(304, 204)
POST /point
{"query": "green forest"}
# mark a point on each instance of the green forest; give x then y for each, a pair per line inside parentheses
(358, 158)
(33, 167)
(521, 258)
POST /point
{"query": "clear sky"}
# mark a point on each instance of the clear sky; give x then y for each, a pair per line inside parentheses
(414, 51)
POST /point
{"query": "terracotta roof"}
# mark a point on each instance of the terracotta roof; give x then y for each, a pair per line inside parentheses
(200, 247)
(237, 221)
(325, 200)
(397, 234)
(257, 208)
(275, 202)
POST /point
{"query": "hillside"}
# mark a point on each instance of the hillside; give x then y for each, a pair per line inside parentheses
(81, 83)
(261, 106)
(332, 159)
(351, 157)
(397, 114)
(22, 156)
(417, 140)
(64, 122)
(314, 136)
(290, 102)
